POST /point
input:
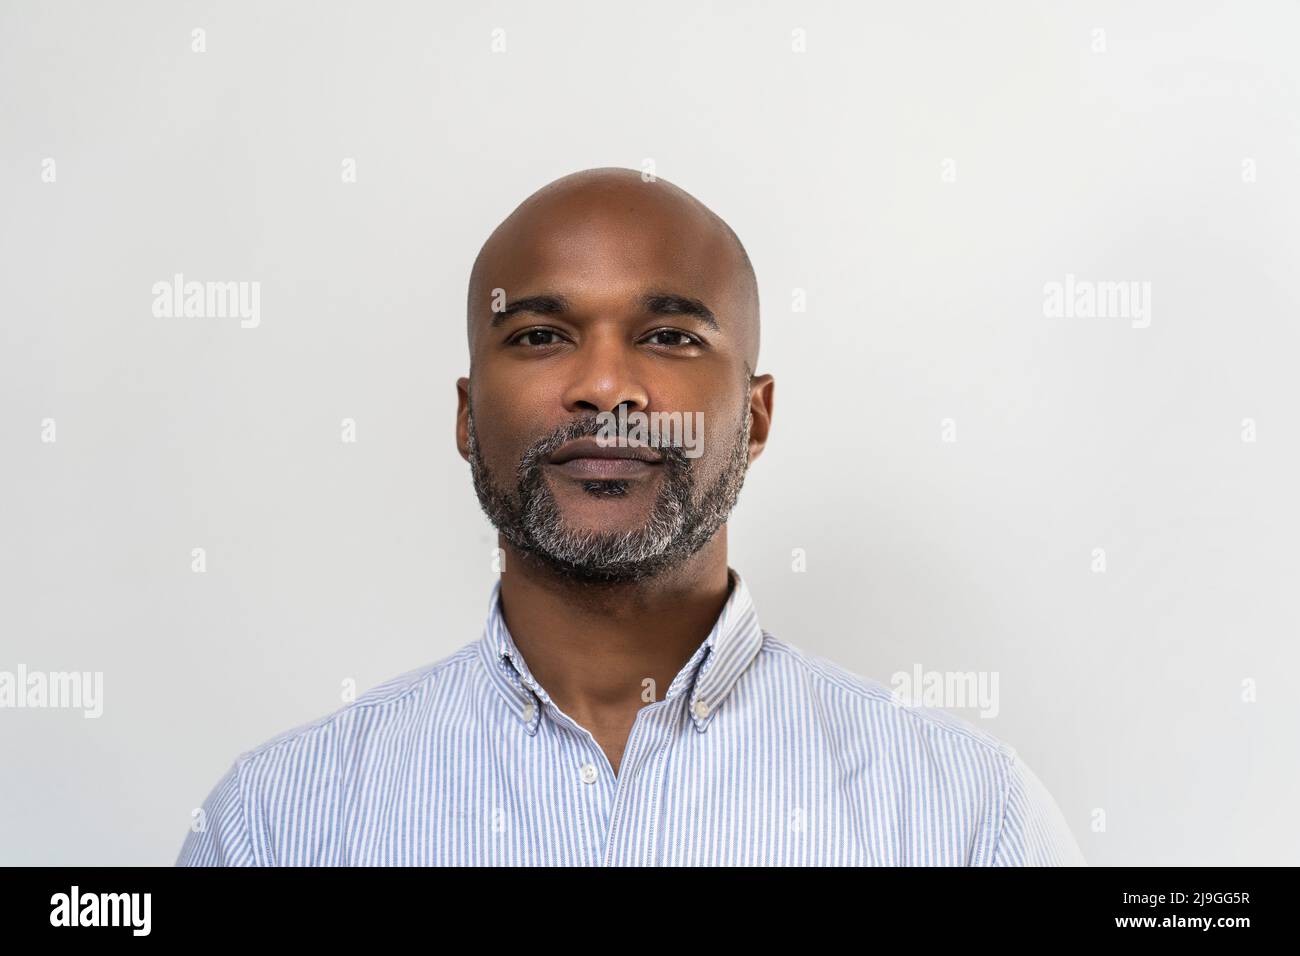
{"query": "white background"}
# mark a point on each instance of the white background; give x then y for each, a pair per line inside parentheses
(329, 561)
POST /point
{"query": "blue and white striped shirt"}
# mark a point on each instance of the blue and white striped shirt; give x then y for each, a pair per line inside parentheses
(758, 754)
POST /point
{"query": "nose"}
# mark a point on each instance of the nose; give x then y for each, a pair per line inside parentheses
(603, 376)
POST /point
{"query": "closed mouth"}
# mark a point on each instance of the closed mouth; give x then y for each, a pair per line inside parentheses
(587, 449)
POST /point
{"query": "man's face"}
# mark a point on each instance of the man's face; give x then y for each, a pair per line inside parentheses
(594, 312)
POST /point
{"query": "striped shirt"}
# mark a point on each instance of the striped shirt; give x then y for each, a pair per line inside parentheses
(758, 754)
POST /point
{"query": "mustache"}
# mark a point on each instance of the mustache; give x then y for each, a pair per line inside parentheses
(531, 461)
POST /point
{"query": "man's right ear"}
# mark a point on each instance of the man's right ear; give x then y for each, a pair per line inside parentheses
(462, 417)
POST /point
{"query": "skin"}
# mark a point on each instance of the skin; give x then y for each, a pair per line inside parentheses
(602, 240)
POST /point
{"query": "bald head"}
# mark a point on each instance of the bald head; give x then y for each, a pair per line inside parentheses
(608, 224)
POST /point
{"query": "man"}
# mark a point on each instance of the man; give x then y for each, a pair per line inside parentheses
(623, 706)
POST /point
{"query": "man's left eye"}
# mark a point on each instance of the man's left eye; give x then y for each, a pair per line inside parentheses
(686, 337)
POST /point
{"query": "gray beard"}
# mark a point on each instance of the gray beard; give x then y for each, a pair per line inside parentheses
(681, 521)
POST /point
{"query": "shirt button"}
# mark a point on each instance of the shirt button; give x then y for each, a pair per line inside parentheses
(589, 773)
(529, 710)
(701, 709)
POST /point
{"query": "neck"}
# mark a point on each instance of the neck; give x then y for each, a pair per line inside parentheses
(593, 646)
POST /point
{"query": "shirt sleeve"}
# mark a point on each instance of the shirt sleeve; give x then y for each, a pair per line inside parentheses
(1033, 832)
(219, 835)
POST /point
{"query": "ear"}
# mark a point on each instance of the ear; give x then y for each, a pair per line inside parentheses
(760, 408)
(462, 417)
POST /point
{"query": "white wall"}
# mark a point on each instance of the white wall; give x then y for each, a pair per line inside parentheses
(329, 561)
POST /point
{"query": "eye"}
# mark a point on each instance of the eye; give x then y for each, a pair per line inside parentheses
(533, 336)
(687, 338)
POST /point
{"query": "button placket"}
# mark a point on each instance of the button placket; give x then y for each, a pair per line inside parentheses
(639, 781)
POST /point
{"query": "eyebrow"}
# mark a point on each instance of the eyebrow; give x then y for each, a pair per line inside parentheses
(538, 304)
(669, 303)
(656, 303)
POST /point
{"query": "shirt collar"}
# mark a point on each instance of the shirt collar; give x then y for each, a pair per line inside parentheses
(707, 677)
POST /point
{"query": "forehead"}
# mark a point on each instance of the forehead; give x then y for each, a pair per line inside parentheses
(602, 244)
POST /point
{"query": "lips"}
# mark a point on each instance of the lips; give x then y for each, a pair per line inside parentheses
(587, 448)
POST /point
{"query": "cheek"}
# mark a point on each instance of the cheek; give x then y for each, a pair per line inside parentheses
(506, 436)
(508, 413)
(724, 420)
(715, 444)
(519, 404)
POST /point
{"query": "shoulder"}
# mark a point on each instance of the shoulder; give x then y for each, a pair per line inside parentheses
(384, 704)
(933, 750)
(854, 697)
(299, 769)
